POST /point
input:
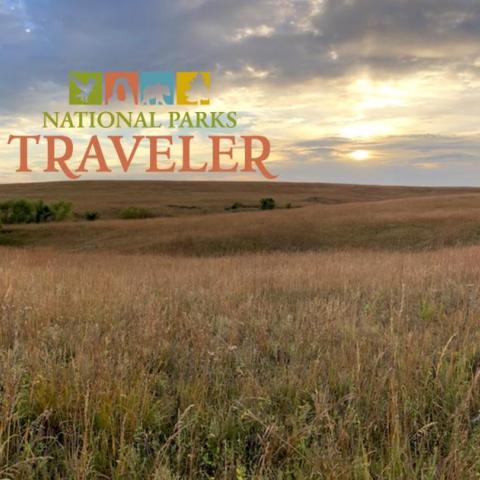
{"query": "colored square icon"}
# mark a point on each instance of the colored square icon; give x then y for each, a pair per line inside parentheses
(193, 88)
(139, 88)
(86, 88)
(157, 88)
(121, 87)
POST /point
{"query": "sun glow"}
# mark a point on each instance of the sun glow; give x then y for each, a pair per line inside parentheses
(367, 130)
(360, 155)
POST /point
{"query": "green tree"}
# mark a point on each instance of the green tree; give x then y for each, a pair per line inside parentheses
(267, 204)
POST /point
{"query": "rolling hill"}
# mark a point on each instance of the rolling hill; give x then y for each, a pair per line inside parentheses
(167, 199)
(329, 217)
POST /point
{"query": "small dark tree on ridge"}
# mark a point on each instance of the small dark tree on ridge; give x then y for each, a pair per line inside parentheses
(267, 204)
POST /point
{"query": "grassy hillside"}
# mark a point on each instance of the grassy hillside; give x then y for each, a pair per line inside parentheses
(192, 198)
(408, 223)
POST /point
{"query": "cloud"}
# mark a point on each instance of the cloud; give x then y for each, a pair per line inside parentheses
(290, 41)
(403, 150)
(397, 77)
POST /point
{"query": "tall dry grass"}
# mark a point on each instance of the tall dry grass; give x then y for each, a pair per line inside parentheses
(282, 366)
(406, 224)
(169, 198)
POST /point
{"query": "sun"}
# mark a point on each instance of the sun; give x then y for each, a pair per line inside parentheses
(360, 155)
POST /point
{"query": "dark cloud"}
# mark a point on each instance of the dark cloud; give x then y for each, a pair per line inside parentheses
(291, 40)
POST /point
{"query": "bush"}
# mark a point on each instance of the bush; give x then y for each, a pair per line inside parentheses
(4, 208)
(61, 210)
(41, 212)
(234, 206)
(91, 216)
(29, 211)
(23, 211)
(267, 203)
(17, 211)
(132, 213)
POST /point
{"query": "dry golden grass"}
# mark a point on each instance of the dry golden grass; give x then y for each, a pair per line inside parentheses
(277, 366)
(408, 223)
(165, 198)
(357, 362)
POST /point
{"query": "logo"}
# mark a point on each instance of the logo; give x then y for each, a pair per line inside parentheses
(139, 88)
(68, 155)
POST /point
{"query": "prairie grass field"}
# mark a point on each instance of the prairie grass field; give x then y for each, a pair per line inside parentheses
(348, 364)
(393, 224)
(180, 198)
(333, 337)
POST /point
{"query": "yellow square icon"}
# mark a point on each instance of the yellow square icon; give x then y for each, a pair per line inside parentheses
(193, 88)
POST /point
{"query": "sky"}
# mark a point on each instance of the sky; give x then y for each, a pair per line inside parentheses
(349, 91)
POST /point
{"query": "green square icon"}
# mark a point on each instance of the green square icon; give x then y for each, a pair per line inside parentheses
(86, 88)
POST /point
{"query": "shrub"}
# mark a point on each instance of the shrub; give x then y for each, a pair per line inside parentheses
(234, 206)
(23, 211)
(132, 213)
(17, 211)
(41, 212)
(6, 211)
(91, 216)
(267, 203)
(27, 211)
(61, 210)
(4, 208)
